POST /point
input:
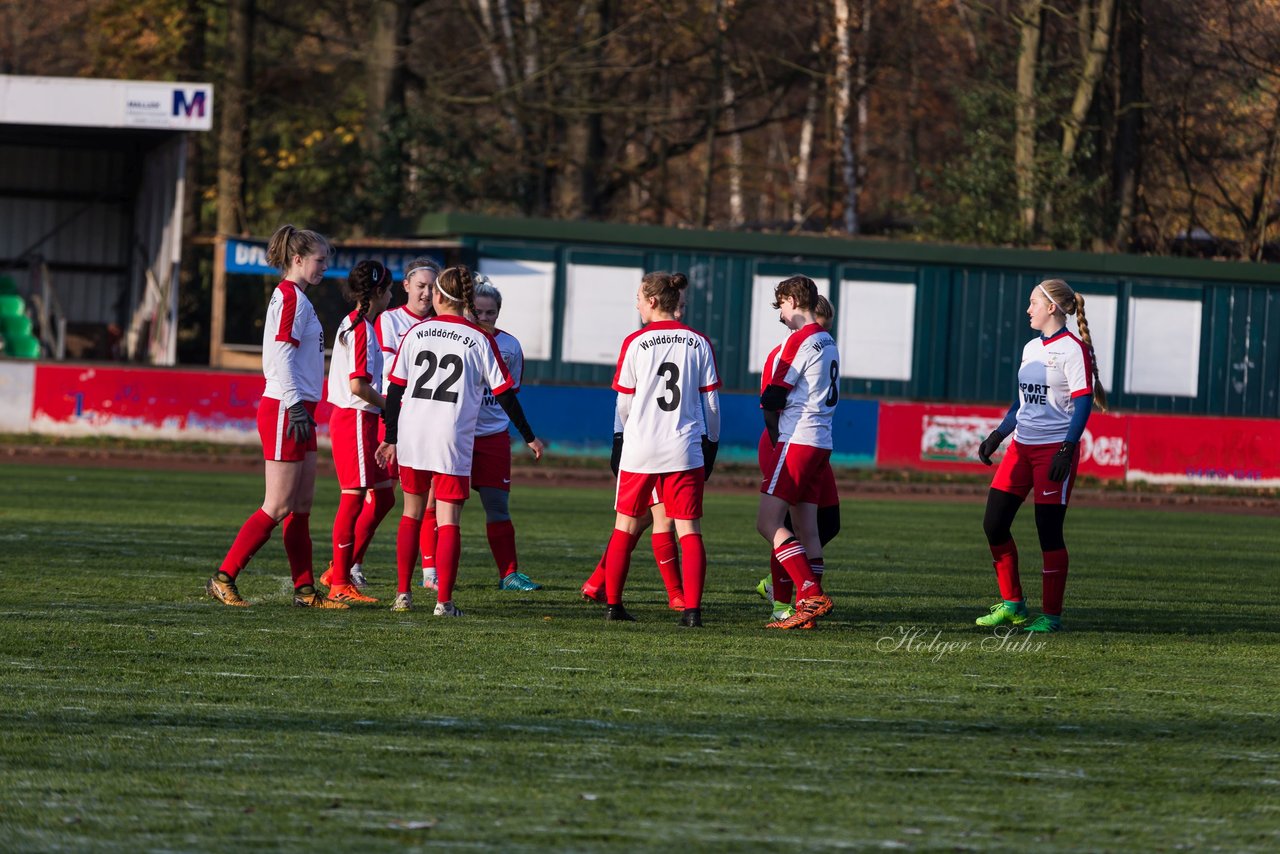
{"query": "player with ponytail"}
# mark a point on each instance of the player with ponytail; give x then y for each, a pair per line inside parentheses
(1057, 387)
(667, 385)
(355, 391)
(293, 364)
(437, 386)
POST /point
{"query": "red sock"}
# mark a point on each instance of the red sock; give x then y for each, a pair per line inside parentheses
(502, 542)
(427, 539)
(693, 563)
(792, 556)
(407, 539)
(1053, 582)
(818, 566)
(664, 555)
(377, 504)
(617, 562)
(254, 533)
(1005, 560)
(296, 528)
(783, 589)
(448, 547)
(596, 581)
(344, 535)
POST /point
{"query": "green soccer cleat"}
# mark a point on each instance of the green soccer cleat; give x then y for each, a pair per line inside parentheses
(781, 611)
(518, 581)
(765, 588)
(1004, 614)
(1044, 624)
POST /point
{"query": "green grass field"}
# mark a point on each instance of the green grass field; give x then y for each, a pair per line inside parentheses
(138, 714)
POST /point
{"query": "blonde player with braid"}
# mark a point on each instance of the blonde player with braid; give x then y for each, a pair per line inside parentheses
(1057, 386)
(437, 386)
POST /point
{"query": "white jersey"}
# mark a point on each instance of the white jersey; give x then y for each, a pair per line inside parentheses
(665, 367)
(445, 364)
(292, 347)
(809, 367)
(493, 419)
(391, 327)
(355, 354)
(1054, 372)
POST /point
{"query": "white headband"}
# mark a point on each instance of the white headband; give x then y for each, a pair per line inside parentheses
(440, 285)
(1051, 299)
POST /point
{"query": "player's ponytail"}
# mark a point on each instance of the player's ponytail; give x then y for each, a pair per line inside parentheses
(458, 287)
(1071, 303)
(289, 241)
(665, 288)
(824, 312)
(367, 280)
(1099, 393)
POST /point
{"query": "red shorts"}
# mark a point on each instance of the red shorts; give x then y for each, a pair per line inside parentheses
(449, 487)
(491, 462)
(680, 493)
(354, 434)
(794, 472)
(1025, 468)
(276, 443)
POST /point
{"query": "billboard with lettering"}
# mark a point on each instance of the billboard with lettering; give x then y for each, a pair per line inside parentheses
(250, 256)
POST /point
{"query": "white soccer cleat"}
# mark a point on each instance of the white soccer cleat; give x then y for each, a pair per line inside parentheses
(357, 575)
(446, 609)
(404, 602)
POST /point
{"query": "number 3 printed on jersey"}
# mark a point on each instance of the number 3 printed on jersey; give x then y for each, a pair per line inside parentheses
(442, 392)
(669, 400)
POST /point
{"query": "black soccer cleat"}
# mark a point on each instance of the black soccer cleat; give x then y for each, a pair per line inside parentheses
(691, 618)
(617, 612)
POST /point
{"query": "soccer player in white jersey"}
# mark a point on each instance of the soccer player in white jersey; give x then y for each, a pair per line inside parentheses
(667, 385)
(355, 392)
(293, 364)
(491, 459)
(419, 280)
(798, 401)
(1057, 385)
(665, 546)
(776, 587)
(437, 387)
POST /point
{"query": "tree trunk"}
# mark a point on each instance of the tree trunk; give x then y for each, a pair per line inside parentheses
(1024, 140)
(861, 144)
(1091, 72)
(736, 213)
(844, 85)
(713, 117)
(1262, 198)
(804, 156)
(1128, 145)
(233, 130)
(385, 68)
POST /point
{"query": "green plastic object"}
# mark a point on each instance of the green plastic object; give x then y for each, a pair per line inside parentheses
(16, 326)
(8, 286)
(22, 347)
(12, 305)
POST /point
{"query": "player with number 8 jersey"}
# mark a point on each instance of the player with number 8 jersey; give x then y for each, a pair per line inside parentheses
(667, 384)
(438, 382)
(798, 402)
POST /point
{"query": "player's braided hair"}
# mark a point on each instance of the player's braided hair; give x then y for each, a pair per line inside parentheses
(800, 288)
(665, 287)
(1071, 303)
(367, 279)
(289, 241)
(458, 286)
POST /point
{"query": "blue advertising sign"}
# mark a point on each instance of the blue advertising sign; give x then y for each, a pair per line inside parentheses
(250, 256)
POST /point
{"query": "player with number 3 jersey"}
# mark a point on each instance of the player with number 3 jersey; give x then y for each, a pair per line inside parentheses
(667, 385)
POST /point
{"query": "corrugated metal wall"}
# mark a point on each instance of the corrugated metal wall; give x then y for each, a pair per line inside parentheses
(72, 206)
(970, 324)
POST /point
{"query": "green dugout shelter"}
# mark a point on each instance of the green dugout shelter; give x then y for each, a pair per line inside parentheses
(913, 320)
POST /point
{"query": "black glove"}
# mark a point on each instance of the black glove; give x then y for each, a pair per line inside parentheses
(709, 450)
(989, 446)
(301, 425)
(615, 457)
(1060, 465)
